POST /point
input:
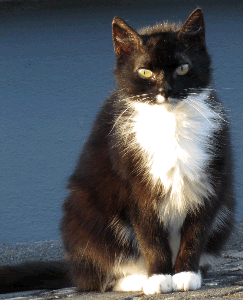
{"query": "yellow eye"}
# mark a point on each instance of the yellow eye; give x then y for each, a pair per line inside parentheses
(182, 70)
(145, 73)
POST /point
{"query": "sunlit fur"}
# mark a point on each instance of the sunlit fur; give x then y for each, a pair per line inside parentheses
(174, 143)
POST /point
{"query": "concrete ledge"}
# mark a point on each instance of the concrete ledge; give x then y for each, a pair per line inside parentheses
(38, 251)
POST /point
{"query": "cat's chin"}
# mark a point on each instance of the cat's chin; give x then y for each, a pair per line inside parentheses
(171, 103)
(160, 99)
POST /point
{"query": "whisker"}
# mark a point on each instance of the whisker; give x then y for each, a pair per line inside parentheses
(188, 100)
(125, 99)
(200, 89)
(139, 97)
(187, 49)
(119, 118)
(218, 115)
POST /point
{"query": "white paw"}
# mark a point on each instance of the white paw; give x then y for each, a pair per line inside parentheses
(130, 283)
(186, 281)
(157, 284)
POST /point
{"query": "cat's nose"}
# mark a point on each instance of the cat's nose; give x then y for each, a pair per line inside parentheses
(165, 90)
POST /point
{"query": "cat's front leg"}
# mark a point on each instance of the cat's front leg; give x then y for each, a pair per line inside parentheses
(154, 244)
(193, 238)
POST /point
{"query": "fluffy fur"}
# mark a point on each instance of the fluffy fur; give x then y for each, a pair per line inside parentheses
(151, 197)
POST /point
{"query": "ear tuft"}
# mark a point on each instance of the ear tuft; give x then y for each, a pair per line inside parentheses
(193, 30)
(125, 39)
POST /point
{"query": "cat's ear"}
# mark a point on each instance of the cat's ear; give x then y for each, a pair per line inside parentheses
(125, 39)
(192, 31)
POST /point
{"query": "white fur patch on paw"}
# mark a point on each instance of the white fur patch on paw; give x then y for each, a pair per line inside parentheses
(130, 283)
(157, 284)
(185, 281)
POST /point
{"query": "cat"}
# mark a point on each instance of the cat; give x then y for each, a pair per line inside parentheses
(151, 198)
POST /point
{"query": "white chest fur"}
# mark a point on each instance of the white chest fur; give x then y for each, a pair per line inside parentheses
(176, 143)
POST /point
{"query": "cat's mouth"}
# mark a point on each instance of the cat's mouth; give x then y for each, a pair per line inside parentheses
(161, 99)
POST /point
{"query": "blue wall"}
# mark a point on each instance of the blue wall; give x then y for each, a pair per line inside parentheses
(55, 71)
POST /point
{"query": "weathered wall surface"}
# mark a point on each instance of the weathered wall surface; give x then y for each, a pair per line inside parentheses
(55, 71)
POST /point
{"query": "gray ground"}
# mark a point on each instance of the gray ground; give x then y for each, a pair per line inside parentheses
(225, 280)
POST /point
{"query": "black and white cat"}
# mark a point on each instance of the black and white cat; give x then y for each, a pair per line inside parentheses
(151, 198)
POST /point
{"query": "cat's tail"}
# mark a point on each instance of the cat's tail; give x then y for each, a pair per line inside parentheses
(34, 276)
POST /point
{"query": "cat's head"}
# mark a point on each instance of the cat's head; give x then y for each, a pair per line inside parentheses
(166, 61)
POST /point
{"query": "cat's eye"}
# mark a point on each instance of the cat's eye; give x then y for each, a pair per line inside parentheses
(145, 73)
(182, 70)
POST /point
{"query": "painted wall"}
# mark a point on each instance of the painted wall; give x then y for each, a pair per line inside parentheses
(55, 71)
